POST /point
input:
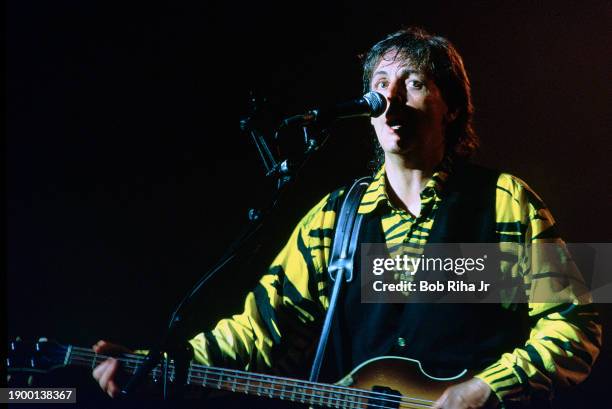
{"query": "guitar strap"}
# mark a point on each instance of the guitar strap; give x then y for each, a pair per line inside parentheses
(346, 237)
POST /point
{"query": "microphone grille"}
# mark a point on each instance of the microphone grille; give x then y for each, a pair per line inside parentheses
(377, 103)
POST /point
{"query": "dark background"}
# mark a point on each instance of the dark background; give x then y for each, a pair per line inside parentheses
(127, 174)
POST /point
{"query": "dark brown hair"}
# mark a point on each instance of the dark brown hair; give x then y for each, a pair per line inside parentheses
(437, 58)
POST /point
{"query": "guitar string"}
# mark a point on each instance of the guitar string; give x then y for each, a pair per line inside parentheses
(211, 378)
(353, 392)
(317, 399)
(136, 359)
(211, 381)
(252, 376)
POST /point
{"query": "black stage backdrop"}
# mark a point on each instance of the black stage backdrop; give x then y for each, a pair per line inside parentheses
(128, 174)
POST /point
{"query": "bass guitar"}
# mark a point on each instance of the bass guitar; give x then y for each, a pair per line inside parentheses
(384, 382)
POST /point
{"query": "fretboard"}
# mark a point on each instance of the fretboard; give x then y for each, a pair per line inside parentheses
(278, 387)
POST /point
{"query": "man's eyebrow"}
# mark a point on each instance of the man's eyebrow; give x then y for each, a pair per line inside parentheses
(408, 71)
(401, 71)
(381, 72)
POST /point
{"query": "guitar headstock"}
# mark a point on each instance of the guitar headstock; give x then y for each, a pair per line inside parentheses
(40, 356)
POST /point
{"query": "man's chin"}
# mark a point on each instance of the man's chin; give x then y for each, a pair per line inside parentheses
(400, 146)
(399, 151)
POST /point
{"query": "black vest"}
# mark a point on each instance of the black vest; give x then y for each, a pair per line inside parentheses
(446, 338)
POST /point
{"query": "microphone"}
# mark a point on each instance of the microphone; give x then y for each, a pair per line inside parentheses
(371, 104)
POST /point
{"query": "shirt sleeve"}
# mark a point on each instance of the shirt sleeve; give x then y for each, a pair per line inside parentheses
(280, 313)
(565, 337)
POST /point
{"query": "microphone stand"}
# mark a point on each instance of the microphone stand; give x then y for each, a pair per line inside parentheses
(174, 345)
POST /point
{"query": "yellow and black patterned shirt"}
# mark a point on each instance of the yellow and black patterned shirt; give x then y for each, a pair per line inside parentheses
(563, 343)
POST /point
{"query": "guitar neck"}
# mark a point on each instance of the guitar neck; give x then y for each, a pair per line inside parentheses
(241, 382)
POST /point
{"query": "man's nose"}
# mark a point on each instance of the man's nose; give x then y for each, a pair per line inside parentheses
(396, 99)
(396, 93)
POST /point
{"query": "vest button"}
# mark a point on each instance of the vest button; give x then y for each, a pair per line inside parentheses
(401, 342)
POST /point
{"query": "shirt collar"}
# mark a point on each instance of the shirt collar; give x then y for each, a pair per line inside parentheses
(376, 194)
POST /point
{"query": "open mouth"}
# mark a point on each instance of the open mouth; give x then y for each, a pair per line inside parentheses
(398, 128)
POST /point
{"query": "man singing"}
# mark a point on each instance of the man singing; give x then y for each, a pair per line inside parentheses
(424, 191)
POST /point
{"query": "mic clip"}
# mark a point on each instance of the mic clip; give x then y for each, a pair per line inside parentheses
(300, 120)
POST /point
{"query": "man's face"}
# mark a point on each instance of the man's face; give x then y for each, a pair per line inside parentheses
(414, 123)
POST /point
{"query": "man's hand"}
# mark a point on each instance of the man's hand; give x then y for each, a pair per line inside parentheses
(472, 394)
(106, 372)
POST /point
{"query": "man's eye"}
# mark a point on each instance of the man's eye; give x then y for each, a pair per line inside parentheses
(381, 85)
(416, 84)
